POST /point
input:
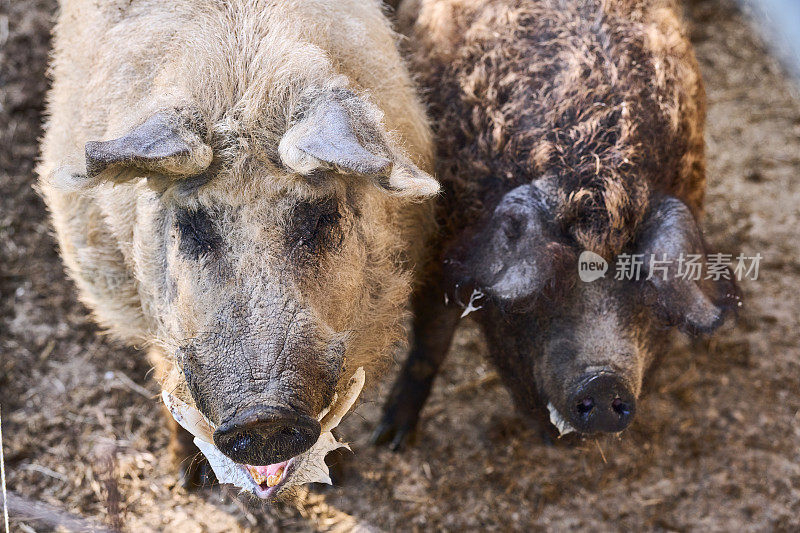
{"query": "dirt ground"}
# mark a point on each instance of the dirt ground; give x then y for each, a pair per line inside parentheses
(715, 446)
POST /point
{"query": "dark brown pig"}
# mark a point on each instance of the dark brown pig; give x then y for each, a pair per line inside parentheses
(563, 127)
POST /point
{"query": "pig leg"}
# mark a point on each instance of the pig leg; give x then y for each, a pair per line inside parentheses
(193, 468)
(434, 325)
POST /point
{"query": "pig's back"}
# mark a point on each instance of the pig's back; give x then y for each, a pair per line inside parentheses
(604, 97)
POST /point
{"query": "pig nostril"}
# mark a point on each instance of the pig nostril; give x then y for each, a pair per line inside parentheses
(241, 444)
(602, 403)
(620, 407)
(289, 433)
(585, 406)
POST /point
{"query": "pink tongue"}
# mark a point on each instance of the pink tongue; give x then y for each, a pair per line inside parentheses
(269, 470)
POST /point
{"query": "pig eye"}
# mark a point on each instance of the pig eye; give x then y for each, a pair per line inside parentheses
(198, 237)
(513, 227)
(315, 226)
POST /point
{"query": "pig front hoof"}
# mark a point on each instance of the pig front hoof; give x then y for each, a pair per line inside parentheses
(394, 432)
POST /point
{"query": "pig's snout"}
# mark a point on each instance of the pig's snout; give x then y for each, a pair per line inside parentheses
(266, 435)
(601, 403)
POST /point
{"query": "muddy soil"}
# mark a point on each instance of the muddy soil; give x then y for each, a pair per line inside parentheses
(715, 446)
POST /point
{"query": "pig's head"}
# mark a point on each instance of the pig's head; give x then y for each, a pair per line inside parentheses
(271, 263)
(581, 347)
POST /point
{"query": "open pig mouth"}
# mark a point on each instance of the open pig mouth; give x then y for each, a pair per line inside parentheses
(267, 481)
(270, 478)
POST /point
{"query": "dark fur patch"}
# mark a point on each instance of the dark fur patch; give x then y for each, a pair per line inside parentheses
(314, 228)
(197, 233)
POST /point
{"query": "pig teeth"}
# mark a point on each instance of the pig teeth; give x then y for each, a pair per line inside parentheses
(257, 477)
(274, 479)
(260, 479)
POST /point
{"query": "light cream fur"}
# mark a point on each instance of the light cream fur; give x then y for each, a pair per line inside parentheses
(245, 67)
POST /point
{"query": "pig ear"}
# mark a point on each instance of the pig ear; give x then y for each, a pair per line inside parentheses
(164, 144)
(339, 132)
(670, 239)
(516, 257)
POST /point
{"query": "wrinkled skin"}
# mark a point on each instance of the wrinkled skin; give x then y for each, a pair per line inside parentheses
(257, 335)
